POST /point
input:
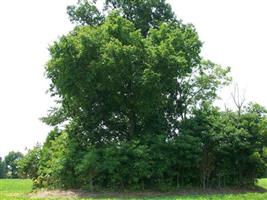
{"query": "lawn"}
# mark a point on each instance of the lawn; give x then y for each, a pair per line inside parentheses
(19, 190)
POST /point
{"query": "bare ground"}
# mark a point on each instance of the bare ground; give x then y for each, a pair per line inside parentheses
(124, 195)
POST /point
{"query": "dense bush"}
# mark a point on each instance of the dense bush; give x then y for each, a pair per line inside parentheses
(212, 149)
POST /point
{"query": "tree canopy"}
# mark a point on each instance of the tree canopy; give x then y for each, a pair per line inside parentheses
(144, 14)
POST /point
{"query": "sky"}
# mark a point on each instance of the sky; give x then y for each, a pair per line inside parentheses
(234, 33)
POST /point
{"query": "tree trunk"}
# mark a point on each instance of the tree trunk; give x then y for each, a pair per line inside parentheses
(177, 181)
(204, 180)
(91, 182)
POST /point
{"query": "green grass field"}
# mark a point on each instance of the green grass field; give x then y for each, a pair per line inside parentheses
(20, 189)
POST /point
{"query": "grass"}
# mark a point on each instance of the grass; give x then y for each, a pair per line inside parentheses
(19, 190)
(262, 183)
(14, 189)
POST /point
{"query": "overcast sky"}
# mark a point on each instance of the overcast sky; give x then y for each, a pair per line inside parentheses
(234, 33)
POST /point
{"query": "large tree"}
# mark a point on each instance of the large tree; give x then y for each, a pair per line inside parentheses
(116, 84)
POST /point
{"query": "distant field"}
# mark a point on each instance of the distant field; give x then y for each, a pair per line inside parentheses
(20, 189)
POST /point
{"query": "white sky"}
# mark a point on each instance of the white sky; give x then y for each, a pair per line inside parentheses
(234, 33)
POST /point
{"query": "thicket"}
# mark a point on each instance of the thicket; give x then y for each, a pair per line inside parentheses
(135, 107)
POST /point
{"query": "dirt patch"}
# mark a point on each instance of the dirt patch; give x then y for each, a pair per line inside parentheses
(55, 194)
(72, 194)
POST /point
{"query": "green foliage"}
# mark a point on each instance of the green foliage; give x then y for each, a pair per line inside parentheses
(232, 152)
(29, 164)
(136, 107)
(144, 14)
(11, 162)
(116, 85)
(85, 13)
(53, 161)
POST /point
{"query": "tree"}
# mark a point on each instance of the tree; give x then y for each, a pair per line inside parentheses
(117, 84)
(239, 100)
(228, 149)
(58, 158)
(29, 164)
(11, 161)
(2, 168)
